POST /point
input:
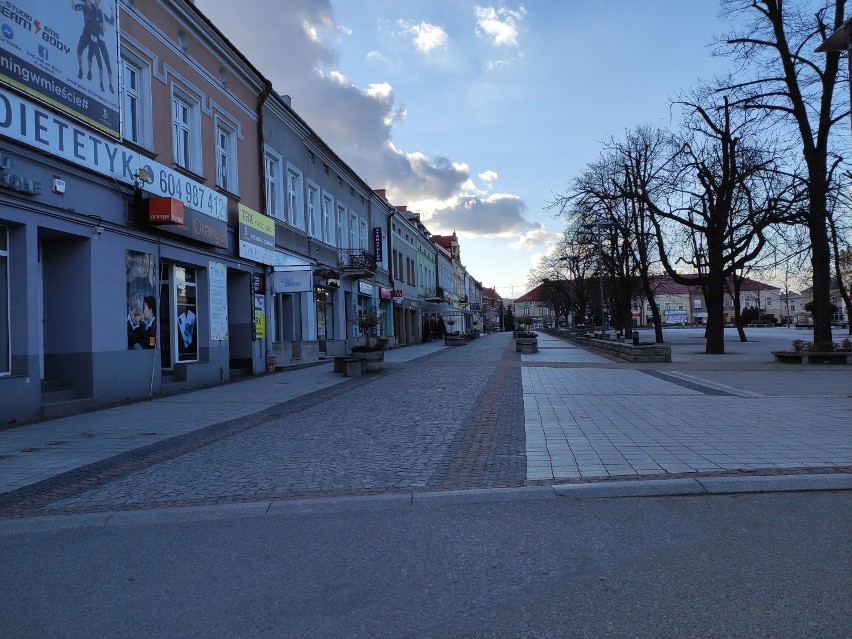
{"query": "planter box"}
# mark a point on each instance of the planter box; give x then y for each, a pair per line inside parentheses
(813, 357)
(526, 345)
(372, 361)
(454, 340)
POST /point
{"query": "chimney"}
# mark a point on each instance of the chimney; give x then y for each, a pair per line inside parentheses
(382, 193)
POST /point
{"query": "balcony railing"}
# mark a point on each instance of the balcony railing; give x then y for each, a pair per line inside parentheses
(356, 260)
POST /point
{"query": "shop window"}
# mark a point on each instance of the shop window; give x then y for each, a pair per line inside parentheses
(5, 349)
(185, 328)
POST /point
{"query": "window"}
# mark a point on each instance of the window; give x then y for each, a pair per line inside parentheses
(325, 224)
(5, 363)
(363, 235)
(527, 310)
(272, 167)
(341, 216)
(696, 303)
(135, 100)
(353, 230)
(226, 158)
(186, 150)
(295, 203)
(312, 212)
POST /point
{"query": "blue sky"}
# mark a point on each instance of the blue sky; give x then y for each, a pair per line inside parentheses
(475, 113)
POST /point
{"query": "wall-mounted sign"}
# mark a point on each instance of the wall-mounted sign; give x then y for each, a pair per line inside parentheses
(49, 132)
(292, 281)
(217, 275)
(20, 183)
(377, 243)
(257, 236)
(365, 288)
(200, 227)
(64, 54)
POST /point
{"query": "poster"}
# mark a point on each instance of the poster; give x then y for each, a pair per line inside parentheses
(186, 322)
(64, 53)
(218, 279)
(259, 317)
(141, 269)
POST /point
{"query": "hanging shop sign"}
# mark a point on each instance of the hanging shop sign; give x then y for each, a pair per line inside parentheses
(257, 236)
(385, 293)
(165, 210)
(398, 295)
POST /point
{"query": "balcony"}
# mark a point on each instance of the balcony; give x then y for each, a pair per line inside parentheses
(431, 295)
(357, 261)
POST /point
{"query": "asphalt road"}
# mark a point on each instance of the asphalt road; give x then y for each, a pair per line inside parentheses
(769, 565)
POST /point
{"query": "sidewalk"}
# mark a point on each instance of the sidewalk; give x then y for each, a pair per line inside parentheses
(579, 417)
(34, 452)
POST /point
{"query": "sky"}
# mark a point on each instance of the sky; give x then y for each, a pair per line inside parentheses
(475, 114)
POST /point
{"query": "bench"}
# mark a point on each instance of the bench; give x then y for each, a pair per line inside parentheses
(353, 367)
(812, 357)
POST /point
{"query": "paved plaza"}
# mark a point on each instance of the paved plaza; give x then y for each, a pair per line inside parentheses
(440, 419)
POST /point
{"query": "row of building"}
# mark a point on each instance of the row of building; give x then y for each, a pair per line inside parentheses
(168, 220)
(681, 304)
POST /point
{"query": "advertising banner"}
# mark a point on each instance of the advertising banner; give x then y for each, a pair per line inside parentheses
(64, 53)
(217, 274)
(141, 271)
(257, 236)
(377, 243)
(259, 317)
(292, 281)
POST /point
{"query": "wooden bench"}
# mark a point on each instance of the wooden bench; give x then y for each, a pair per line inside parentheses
(812, 357)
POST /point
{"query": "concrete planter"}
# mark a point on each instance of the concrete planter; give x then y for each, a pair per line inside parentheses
(526, 345)
(373, 359)
(813, 357)
(455, 340)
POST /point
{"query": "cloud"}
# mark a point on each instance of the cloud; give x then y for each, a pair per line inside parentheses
(499, 25)
(500, 214)
(535, 238)
(425, 36)
(358, 122)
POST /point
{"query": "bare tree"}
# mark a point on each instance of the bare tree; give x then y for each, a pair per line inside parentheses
(791, 86)
(724, 193)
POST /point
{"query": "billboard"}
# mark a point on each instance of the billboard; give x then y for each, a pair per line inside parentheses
(64, 53)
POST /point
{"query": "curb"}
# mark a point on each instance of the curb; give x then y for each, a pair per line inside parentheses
(417, 500)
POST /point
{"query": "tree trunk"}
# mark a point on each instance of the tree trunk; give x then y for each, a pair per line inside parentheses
(821, 265)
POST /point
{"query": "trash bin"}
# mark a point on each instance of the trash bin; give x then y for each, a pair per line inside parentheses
(635, 338)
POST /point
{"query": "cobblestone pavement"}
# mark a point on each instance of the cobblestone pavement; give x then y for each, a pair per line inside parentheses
(478, 415)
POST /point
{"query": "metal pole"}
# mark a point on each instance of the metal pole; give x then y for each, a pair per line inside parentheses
(600, 278)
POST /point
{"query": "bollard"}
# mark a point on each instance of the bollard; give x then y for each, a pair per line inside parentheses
(635, 338)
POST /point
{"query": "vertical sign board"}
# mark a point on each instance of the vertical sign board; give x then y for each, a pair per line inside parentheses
(65, 54)
(377, 243)
(218, 280)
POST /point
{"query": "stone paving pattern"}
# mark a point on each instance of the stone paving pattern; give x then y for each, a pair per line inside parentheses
(479, 415)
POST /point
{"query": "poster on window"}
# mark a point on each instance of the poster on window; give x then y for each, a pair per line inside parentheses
(218, 279)
(187, 320)
(259, 317)
(141, 269)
